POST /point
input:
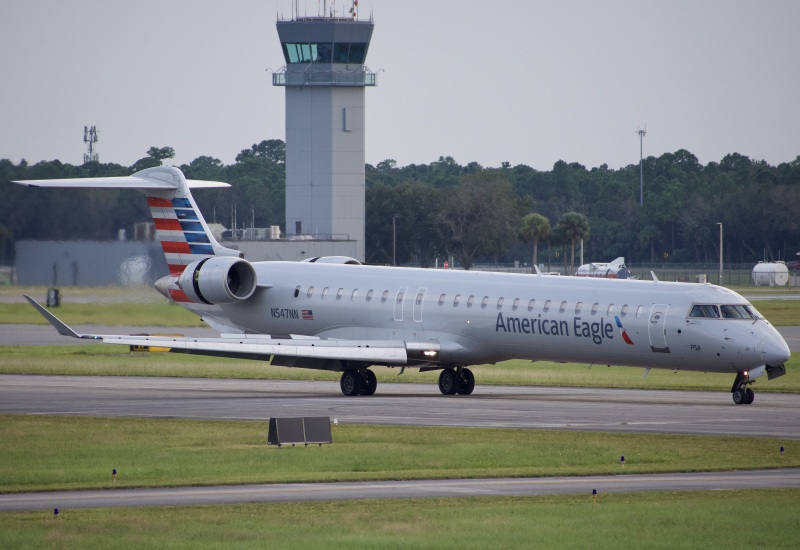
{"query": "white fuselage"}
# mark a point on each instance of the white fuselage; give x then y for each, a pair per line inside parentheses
(483, 317)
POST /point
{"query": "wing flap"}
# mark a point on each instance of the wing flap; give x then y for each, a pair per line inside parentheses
(345, 350)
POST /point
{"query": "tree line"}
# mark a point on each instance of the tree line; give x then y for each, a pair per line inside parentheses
(421, 212)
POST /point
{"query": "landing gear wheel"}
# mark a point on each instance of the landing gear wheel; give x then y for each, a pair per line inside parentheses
(448, 382)
(369, 382)
(466, 382)
(350, 382)
(740, 396)
(750, 396)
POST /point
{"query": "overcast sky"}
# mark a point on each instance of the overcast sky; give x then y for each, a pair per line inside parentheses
(524, 81)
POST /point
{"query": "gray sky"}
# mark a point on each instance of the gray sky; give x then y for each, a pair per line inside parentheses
(524, 81)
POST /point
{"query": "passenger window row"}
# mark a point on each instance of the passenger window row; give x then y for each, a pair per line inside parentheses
(740, 312)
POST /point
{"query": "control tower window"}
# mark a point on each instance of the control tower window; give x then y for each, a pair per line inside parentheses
(325, 52)
(349, 52)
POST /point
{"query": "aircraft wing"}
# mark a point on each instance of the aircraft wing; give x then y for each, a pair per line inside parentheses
(253, 347)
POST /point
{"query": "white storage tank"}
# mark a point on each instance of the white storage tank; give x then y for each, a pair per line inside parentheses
(770, 274)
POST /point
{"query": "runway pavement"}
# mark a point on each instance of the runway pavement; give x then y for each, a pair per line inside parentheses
(585, 409)
(296, 492)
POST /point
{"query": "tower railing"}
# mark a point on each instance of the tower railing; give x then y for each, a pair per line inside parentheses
(283, 77)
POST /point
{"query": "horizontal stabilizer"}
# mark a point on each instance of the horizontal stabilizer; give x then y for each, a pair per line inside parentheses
(121, 182)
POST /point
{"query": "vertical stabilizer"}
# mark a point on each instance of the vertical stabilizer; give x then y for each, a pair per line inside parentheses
(180, 228)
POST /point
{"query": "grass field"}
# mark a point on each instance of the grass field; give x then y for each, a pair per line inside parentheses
(724, 519)
(42, 453)
(48, 453)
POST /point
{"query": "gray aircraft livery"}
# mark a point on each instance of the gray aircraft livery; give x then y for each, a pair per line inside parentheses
(332, 313)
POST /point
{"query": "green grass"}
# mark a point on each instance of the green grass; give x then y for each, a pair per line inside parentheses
(728, 519)
(159, 313)
(42, 453)
(106, 360)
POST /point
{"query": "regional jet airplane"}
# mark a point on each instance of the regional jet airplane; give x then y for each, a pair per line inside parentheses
(332, 313)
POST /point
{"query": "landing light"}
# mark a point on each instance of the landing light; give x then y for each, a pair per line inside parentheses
(430, 353)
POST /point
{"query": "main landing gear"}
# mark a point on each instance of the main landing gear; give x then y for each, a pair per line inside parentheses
(459, 380)
(358, 382)
(742, 395)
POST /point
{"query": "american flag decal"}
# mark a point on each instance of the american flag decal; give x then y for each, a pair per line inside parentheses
(308, 315)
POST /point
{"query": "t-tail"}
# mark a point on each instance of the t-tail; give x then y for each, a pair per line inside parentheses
(183, 233)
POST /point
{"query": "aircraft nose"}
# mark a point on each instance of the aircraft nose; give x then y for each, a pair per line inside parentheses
(775, 351)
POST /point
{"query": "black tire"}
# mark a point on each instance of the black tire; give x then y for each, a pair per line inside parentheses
(740, 396)
(369, 382)
(448, 382)
(350, 382)
(466, 382)
(750, 396)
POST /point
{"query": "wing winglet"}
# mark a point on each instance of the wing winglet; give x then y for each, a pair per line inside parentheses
(60, 325)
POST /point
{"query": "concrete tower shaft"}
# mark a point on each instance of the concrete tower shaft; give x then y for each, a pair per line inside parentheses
(325, 77)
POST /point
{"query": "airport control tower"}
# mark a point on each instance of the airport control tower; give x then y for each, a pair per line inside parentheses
(325, 77)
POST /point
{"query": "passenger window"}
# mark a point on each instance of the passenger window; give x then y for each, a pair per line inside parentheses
(355, 293)
(369, 295)
(610, 309)
(456, 300)
(563, 307)
(594, 308)
(484, 302)
(339, 294)
(500, 303)
(442, 299)
(531, 304)
(578, 307)
(400, 296)
(515, 305)
(639, 311)
(296, 291)
(384, 296)
(310, 292)
(546, 307)
(624, 311)
(420, 296)
(470, 300)
(324, 292)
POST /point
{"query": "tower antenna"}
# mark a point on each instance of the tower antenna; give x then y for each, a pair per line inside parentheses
(90, 138)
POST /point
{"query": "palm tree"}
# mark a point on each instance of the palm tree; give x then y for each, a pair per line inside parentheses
(574, 226)
(535, 227)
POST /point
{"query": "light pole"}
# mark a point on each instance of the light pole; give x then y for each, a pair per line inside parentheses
(641, 163)
(394, 239)
(720, 252)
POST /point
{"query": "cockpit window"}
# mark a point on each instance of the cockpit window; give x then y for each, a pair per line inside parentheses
(735, 312)
(705, 310)
(710, 311)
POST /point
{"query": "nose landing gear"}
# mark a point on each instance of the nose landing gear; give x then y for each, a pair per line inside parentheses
(742, 395)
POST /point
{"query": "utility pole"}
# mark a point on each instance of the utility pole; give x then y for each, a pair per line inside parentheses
(720, 252)
(394, 239)
(641, 163)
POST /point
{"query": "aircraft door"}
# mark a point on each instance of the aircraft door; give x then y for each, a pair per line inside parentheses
(399, 301)
(418, 303)
(657, 328)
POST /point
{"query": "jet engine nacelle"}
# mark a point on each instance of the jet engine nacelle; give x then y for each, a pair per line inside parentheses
(218, 280)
